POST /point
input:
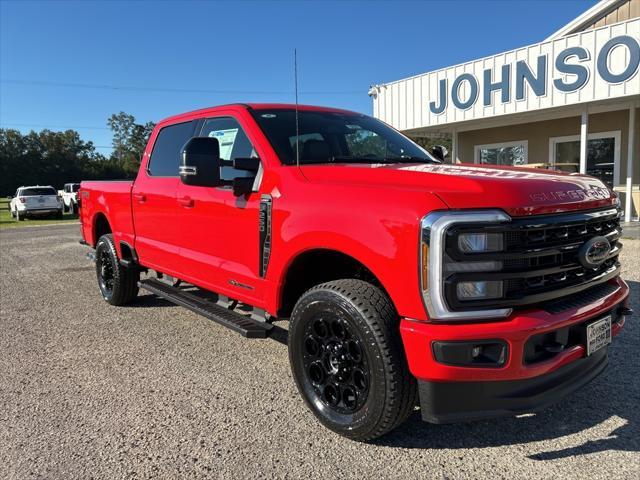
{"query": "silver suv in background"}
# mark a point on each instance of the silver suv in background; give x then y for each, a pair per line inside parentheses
(36, 201)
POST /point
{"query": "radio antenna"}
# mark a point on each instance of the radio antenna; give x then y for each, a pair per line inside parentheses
(295, 80)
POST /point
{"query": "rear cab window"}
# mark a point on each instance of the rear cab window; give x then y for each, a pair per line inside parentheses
(165, 156)
(37, 191)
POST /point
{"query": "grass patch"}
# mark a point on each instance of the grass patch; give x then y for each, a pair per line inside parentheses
(7, 221)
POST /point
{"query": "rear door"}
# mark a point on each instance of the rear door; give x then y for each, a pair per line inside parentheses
(153, 198)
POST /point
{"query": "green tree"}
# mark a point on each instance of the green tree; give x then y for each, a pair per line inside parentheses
(50, 158)
(129, 140)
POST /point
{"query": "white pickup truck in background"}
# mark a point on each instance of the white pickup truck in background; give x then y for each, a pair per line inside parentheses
(69, 195)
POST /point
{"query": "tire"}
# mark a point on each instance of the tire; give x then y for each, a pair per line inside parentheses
(59, 215)
(19, 217)
(348, 361)
(118, 284)
(65, 207)
(72, 208)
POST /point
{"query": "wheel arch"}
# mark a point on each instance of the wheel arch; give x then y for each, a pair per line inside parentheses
(319, 265)
(100, 226)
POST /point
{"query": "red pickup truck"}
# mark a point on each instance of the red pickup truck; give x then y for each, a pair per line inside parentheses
(473, 291)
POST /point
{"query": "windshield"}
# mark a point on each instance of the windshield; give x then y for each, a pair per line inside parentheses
(336, 137)
(32, 192)
(75, 187)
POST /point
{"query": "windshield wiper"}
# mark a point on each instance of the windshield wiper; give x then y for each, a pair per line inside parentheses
(346, 159)
(412, 159)
(350, 159)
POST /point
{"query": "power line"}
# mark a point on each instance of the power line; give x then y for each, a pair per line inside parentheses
(172, 90)
(73, 127)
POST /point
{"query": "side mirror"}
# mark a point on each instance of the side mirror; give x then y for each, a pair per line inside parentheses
(200, 163)
(439, 151)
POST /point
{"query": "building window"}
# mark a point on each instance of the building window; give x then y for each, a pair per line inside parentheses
(507, 153)
(603, 155)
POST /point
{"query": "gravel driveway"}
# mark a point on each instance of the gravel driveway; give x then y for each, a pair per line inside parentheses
(152, 390)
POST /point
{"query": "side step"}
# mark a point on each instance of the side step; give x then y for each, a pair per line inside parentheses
(237, 322)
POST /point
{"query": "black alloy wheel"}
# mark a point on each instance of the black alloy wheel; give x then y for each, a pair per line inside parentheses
(118, 284)
(348, 361)
(336, 363)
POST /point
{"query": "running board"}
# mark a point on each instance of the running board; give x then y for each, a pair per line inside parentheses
(244, 325)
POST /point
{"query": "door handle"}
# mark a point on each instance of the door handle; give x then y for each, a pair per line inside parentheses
(140, 197)
(186, 202)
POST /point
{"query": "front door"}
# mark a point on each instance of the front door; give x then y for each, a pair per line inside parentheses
(219, 246)
(155, 210)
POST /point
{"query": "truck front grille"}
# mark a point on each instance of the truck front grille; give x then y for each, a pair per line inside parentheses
(539, 261)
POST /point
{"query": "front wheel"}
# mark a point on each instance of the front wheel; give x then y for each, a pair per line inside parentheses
(348, 361)
(118, 284)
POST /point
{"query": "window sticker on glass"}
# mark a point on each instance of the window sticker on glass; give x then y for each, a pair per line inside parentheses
(226, 139)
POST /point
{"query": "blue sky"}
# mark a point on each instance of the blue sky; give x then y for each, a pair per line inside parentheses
(182, 55)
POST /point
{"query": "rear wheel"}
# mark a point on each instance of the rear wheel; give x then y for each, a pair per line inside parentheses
(118, 284)
(347, 359)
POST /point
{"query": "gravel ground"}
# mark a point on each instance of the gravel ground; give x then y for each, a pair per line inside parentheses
(152, 390)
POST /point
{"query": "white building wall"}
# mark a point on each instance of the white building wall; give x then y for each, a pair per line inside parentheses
(405, 103)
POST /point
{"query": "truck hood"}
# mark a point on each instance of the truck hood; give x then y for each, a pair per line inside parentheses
(518, 191)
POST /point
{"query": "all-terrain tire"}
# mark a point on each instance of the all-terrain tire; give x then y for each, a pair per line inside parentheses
(388, 396)
(118, 284)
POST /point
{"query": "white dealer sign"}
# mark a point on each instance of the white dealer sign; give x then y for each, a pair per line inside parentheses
(592, 65)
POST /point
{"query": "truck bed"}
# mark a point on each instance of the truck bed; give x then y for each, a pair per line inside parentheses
(111, 199)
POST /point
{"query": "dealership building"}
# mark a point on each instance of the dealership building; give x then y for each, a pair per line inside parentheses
(569, 103)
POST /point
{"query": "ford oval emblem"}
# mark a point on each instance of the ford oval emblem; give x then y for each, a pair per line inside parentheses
(594, 252)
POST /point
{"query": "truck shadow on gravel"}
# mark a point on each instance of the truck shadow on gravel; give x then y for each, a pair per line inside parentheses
(609, 403)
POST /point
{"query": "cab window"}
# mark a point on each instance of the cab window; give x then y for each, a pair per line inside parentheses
(233, 142)
(165, 157)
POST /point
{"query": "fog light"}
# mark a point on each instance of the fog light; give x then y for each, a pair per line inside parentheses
(479, 290)
(480, 353)
(480, 242)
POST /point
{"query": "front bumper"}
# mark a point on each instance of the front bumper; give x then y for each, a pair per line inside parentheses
(451, 393)
(447, 402)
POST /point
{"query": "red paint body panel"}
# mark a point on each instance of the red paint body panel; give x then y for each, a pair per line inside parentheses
(372, 213)
(515, 330)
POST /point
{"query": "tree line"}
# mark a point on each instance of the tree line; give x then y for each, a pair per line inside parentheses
(55, 158)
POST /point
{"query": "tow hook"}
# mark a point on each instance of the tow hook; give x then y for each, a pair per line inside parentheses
(625, 311)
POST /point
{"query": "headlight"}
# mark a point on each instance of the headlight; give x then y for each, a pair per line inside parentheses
(480, 242)
(436, 265)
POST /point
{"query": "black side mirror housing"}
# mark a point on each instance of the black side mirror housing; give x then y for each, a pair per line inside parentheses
(200, 163)
(440, 152)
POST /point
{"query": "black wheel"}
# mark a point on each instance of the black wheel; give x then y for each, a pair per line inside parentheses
(118, 284)
(72, 208)
(64, 207)
(59, 215)
(20, 217)
(348, 361)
